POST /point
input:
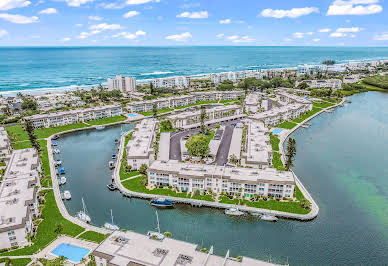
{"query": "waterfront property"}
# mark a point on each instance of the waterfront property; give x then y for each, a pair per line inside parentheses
(324, 83)
(5, 147)
(124, 84)
(182, 100)
(257, 102)
(18, 198)
(214, 115)
(172, 82)
(189, 177)
(74, 116)
(130, 248)
(140, 148)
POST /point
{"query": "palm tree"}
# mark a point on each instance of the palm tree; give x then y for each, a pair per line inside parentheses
(58, 229)
(154, 109)
(291, 151)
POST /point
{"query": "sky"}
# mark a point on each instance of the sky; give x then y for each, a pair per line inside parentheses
(193, 22)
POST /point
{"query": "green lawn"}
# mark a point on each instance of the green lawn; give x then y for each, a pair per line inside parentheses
(125, 175)
(307, 115)
(286, 125)
(42, 133)
(93, 236)
(46, 181)
(137, 186)
(160, 111)
(15, 262)
(203, 197)
(322, 104)
(17, 133)
(107, 120)
(371, 87)
(46, 233)
(274, 142)
(21, 145)
(277, 162)
(227, 200)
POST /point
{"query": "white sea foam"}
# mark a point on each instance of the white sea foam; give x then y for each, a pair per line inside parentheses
(156, 73)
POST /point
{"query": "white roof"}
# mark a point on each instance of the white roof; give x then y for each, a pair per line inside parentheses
(141, 143)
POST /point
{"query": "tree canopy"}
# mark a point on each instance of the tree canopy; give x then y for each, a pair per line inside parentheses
(198, 146)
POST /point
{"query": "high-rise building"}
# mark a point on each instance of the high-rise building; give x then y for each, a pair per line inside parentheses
(123, 84)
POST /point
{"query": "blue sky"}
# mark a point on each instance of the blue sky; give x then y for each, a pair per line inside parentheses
(193, 22)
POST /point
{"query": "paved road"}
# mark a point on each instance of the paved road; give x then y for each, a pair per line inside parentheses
(223, 149)
(175, 144)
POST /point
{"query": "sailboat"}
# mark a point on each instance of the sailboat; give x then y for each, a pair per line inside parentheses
(156, 235)
(111, 226)
(82, 215)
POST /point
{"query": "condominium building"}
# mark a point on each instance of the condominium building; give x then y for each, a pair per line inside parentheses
(214, 115)
(258, 151)
(140, 148)
(203, 177)
(123, 84)
(237, 76)
(257, 102)
(291, 98)
(5, 147)
(172, 82)
(183, 100)
(74, 116)
(18, 198)
(351, 78)
(134, 249)
(325, 83)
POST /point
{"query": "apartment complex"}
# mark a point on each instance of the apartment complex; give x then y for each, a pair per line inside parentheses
(256, 102)
(140, 148)
(203, 177)
(51, 101)
(172, 82)
(18, 198)
(258, 151)
(237, 76)
(123, 84)
(183, 100)
(214, 115)
(5, 147)
(324, 83)
(74, 116)
(351, 78)
(134, 249)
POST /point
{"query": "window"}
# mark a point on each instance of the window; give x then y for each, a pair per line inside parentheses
(11, 232)
(14, 244)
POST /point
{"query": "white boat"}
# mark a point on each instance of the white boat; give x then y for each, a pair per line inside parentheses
(62, 181)
(111, 164)
(268, 218)
(99, 127)
(233, 212)
(82, 215)
(66, 195)
(111, 226)
(57, 162)
(256, 214)
(156, 235)
(56, 151)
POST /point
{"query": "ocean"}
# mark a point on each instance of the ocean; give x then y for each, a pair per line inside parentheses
(43, 69)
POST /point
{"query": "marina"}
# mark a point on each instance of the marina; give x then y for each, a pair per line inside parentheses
(205, 220)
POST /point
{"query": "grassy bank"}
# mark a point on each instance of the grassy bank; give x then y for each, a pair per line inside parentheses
(307, 115)
(42, 133)
(18, 137)
(277, 162)
(322, 104)
(46, 181)
(286, 125)
(21, 145)
(107, 120)
(46, 230)
(274, 142)
(93, 236)
(15, 262)
(160, 111)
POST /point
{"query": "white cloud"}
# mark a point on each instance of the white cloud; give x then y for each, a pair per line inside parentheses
(220, 35)
(48, 11)
(128, 35)
(316, 40)
(352, 29)
(338, 34)
(139, 2)
(381, 37)
(78, 25)
(324, 30)
(287, 39)
(11, 4)
(77, 3)
(3, 33)
(66, 39)
(131, 13)
(95, 18)
(354, 7)
(84, 35)
(244, 39)
(190, 5)
(112, 5)
(105, 26)
(183, 37)
(195, 15)
(225, 21)
(291, 13)
(300, 35)
(19, 19)
(233, 37)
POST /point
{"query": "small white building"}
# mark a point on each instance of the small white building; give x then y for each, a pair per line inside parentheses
(324, 83)
(124, 84)
(172, 82)
(140, 148)
(18, 198)
(5, 147)
(351, 78)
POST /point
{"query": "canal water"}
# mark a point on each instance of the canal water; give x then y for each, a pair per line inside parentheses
(342, 160)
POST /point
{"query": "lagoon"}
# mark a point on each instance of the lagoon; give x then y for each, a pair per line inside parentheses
(341, 160)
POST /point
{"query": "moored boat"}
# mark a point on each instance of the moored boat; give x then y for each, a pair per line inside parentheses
(99, 127)
(117, 141)
(114, 156)
(55, 137)
(233, 212)
(269, 218)
(111, 226)
(112, 186)
(56, 151)
(62, 181)
(66, 195)
(57, 162)
(111, 164)
(156, 235)
(162, 202)
(82, 215)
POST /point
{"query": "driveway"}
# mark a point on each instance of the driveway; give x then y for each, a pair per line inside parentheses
(223, 149)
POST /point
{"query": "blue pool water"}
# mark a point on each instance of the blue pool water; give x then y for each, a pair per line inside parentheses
(131, 115)
(277, 131)
(72, 253)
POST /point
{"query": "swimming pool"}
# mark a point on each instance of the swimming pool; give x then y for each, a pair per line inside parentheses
(131, 115)
(73, 253)
(277, 131)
